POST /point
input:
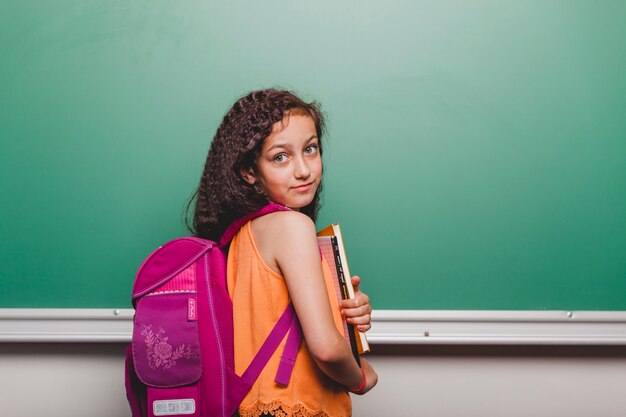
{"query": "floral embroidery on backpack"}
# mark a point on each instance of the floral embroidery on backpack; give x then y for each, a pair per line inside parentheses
(160, 353)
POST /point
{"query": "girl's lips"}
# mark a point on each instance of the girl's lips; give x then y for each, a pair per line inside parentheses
(304, 187)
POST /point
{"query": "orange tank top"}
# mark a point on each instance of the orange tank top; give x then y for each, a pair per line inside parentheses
(259, 297)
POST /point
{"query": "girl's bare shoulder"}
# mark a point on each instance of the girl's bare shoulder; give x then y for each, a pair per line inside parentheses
(283, 224)
(276, 231)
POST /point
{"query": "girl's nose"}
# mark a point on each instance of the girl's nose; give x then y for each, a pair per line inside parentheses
(302, 169)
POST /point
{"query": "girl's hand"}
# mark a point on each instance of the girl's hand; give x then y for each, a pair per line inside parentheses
(358, 310)
(371, 378)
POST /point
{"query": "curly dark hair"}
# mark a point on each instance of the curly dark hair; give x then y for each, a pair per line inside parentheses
(223, 195)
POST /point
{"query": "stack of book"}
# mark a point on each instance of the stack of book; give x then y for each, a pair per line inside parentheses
(331, 244)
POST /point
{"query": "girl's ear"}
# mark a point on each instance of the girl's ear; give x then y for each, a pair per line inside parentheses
(248, 175)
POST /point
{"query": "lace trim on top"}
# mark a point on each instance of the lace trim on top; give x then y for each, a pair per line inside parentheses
(278, 409)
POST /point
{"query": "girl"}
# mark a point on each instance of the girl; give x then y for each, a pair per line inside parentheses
(268, 148)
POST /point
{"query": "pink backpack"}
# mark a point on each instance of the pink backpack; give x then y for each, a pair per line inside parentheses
(181, 359)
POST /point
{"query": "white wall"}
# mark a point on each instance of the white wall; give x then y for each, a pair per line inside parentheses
(498, 381)
(69, 379)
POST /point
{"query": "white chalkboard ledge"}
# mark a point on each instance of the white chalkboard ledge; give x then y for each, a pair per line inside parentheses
(388, 326)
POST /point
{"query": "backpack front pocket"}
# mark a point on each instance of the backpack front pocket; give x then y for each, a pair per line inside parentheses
(166, 344)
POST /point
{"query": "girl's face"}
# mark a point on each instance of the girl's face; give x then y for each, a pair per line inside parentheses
(289, 168)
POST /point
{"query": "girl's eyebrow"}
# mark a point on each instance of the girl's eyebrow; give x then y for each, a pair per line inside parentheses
(287, 145)
(311, 138)
(278, 145)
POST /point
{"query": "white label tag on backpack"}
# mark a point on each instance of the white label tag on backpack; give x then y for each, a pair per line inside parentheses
(173, 407)
(192, 309)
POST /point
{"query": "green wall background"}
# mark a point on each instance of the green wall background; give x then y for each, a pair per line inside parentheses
(476, 152)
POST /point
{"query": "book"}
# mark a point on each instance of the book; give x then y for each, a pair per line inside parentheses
(331, 245)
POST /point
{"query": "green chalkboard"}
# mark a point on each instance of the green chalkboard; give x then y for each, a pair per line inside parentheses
(476, 151)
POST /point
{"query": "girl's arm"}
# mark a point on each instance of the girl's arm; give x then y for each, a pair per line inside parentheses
(288, 241)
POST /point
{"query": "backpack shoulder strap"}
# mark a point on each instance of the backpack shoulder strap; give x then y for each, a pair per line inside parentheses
(288, 358)
(237, 224)
(288, 322)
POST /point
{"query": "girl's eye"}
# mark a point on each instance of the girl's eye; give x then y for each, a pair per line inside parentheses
(281, 157)
(311, 149)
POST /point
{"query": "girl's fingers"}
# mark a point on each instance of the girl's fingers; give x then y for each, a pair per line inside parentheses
(360, 298)
(363, 327)
(360, 317)
(365, 319)
(357, 311)
(353, 303)
(362, 323)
